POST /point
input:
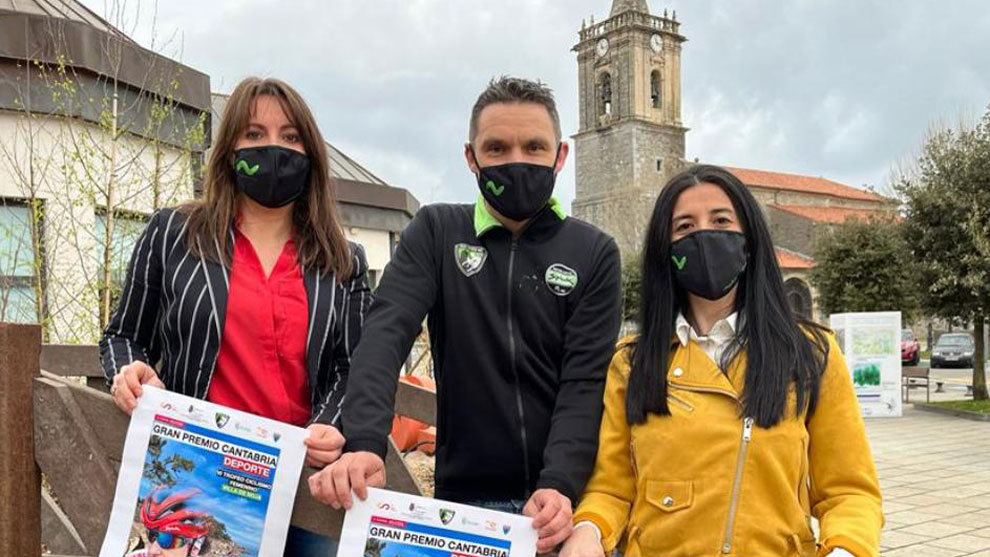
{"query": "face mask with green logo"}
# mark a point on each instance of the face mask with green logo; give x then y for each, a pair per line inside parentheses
(708, 262)
(272, 175)
(518, 190)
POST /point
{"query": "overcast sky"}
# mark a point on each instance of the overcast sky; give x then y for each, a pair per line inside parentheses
(841, 88)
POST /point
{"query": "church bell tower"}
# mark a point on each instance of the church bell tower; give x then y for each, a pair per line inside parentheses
(631, 139)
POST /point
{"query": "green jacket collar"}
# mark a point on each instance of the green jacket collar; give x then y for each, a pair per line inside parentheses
(485, 221)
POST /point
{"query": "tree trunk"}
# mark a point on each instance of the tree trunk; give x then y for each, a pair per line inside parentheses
(979, 359)
(107, 278)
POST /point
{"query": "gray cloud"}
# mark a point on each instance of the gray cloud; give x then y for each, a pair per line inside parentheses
(843, 89)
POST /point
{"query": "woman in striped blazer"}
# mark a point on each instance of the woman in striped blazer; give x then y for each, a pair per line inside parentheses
(250, 297)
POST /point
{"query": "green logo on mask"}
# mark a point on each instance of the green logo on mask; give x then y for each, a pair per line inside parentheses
(680, 262)
(242, 166)
(497, 190)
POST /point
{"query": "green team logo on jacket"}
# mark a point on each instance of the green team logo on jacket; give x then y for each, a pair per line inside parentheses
(244, 168)
(561, 279)
(470, 259)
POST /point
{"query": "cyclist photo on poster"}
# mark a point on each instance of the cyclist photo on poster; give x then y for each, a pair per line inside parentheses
(197, 502)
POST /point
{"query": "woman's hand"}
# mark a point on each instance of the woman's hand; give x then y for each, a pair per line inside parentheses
(323, 446)
(126, 386)
(583, 543)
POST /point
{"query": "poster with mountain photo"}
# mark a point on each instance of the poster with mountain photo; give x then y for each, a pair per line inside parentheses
(870, 343)
(203, 480)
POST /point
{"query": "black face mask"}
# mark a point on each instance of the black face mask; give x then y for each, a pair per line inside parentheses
(273, 176)
(708, 263)
(517, 190)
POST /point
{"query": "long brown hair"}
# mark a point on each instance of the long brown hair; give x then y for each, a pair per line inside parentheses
(319, 239)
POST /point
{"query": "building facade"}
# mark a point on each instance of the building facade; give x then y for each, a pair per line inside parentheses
(96, 133)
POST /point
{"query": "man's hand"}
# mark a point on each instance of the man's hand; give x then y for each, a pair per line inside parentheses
(551, 514)
(353, 471)
(126, 386)
(323, 446)
(583, 543)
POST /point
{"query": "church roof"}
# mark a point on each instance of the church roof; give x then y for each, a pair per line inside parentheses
(793, 260)
(619, 6)
(803, 184)
(830, 215)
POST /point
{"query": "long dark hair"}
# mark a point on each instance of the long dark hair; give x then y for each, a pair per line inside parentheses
(320, 240)
(781, 348)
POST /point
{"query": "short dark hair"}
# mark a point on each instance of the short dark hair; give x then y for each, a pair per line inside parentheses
(507, 89)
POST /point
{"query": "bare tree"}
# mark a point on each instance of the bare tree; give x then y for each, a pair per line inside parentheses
(91, 157)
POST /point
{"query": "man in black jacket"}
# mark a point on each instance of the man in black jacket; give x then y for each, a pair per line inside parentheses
(522, 306)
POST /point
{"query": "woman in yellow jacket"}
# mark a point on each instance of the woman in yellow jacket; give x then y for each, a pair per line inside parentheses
(729, 421)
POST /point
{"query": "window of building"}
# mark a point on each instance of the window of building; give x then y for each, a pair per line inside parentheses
(127, 229)
(799, 297)
(606, 94)
(655, 89)
(18, 279)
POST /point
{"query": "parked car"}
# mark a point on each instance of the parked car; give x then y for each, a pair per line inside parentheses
(910, 348)
(954, 350)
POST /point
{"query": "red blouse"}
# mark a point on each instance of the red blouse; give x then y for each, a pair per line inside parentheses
(261, 367)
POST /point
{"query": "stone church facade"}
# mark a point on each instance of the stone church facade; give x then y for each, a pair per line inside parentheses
(631, 140)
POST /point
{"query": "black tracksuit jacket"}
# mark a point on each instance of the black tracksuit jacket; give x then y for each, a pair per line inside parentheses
(522, 331)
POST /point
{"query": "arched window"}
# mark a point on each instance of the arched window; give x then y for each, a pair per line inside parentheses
(655, 89)
(605, 87)
(799, 297)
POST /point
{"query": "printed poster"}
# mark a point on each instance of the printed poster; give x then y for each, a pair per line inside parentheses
(871, 345)
(198, 479)
(390, 524)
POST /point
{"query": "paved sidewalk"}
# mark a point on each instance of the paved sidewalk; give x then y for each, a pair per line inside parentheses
(935, 475)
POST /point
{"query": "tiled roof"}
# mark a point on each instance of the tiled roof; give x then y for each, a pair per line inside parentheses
(830, 215)
(803, 184)
(788, 259)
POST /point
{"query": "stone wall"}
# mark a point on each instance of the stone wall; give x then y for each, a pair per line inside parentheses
(791, 231)
(620, 171)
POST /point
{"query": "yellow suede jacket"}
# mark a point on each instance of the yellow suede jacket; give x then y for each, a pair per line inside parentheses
(706, 482)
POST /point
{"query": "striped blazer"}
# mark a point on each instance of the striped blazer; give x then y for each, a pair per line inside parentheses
(172, 312)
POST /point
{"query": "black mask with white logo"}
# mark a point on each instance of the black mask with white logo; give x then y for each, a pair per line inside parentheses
(272, 175)
(517, 190)
(708, 263)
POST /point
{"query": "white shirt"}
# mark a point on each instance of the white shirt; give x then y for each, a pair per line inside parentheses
(717, 339)
(714, 344)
